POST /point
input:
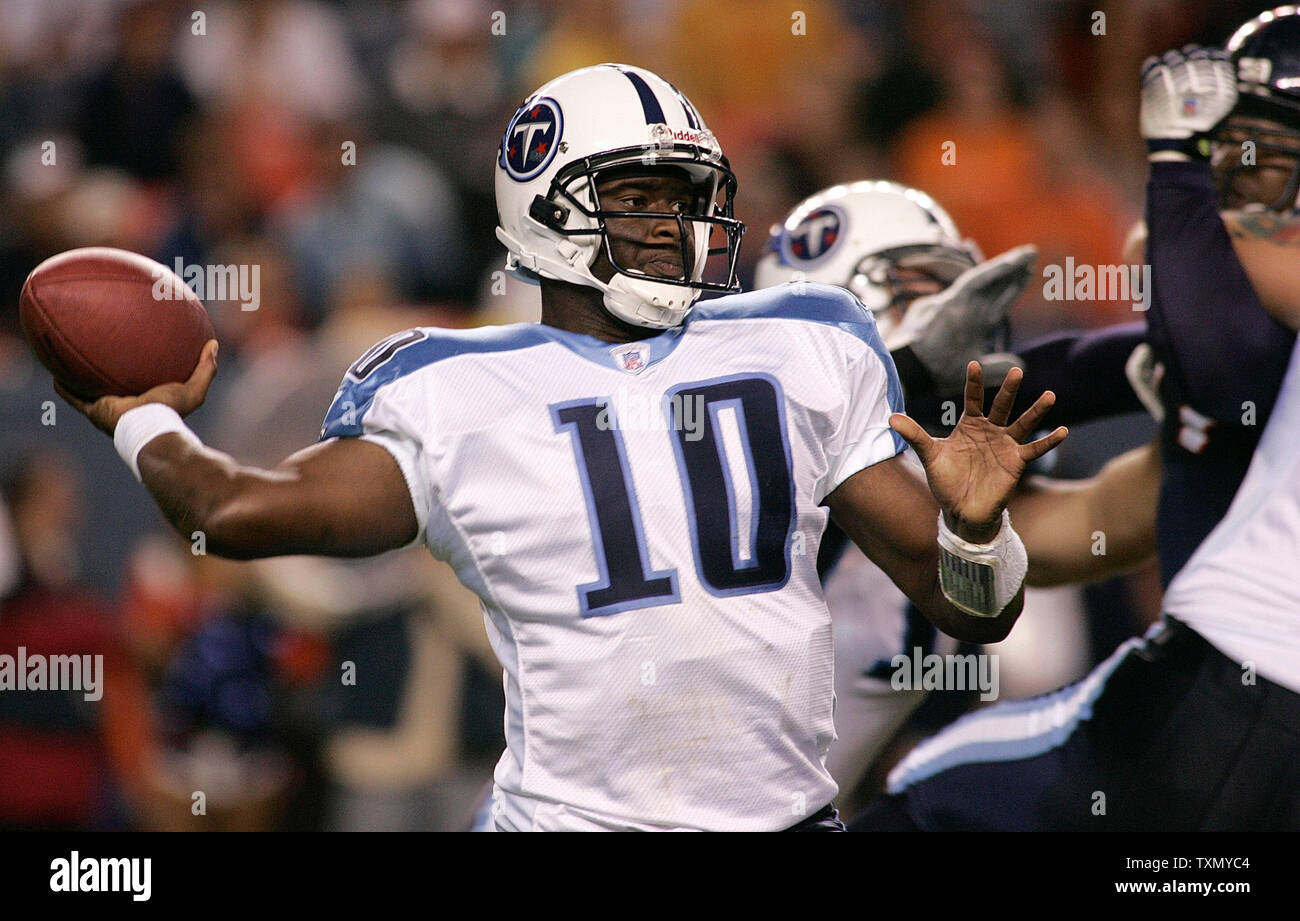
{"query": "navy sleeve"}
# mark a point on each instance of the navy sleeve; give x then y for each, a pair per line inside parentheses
(1221, 350)
(1219, 346)
(1084, 369)
(1086, 372)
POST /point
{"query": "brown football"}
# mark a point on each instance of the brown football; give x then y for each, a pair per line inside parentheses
(108, 321)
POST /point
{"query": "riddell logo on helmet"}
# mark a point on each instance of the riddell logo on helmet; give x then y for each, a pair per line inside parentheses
(662, 134)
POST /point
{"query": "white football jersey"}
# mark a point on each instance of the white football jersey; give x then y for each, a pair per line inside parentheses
(872, 622)
(642, 522)
(1241, 589)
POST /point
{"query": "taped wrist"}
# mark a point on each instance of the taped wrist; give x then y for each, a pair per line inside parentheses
(137, 427)
(981, 579)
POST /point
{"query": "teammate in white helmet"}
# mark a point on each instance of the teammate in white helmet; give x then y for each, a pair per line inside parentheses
(900, 253)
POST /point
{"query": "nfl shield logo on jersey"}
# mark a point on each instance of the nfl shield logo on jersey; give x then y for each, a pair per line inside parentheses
(631, 358)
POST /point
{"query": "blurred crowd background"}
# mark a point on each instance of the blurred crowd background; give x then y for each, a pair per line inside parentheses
(221, 139)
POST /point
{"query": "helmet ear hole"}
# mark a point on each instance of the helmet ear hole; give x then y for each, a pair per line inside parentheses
(548, 213)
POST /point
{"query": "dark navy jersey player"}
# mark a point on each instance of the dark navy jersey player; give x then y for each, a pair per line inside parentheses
(1167, 729)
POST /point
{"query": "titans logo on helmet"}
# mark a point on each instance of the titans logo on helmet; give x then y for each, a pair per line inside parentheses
(531, 139)
(814, 237)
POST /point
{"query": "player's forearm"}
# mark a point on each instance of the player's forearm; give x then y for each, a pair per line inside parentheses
(1086, 530)
(201, 490)
(1123, 504)
(910, 555)
(961, 625)
(889, 512)
(1052, 518)
(1085, 370)
(341, 497)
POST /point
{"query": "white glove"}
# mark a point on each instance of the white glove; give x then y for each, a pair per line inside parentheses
(948, 329)
(1184, 94)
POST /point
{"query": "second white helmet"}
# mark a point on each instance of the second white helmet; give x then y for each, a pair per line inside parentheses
(857, 235)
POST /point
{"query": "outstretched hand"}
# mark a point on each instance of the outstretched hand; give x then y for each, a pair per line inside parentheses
(184, 398)
(973, 471)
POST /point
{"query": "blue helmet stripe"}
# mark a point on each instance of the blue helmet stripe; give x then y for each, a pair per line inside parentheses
(691, 118)
(654, 113)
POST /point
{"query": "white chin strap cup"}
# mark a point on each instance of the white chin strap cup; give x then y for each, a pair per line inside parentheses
(655, 305)
(648, 303)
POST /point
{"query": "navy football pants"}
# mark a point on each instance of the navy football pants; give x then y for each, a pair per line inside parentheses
(1163, 735)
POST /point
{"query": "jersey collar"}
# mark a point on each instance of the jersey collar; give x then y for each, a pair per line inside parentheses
(627, 357)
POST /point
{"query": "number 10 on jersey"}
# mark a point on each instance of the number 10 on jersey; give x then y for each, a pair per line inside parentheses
(736, 481)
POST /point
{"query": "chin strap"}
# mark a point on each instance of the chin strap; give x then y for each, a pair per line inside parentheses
(654, 305)
(633, 300)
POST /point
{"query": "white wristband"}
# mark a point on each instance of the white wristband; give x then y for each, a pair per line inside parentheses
(137, 427)
(981, 579)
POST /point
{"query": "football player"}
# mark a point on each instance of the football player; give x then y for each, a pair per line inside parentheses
(1197, 725)
(636, 489)
(937, 304)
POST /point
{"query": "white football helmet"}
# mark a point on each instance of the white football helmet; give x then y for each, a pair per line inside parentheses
(563, 137)
(857, 236)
